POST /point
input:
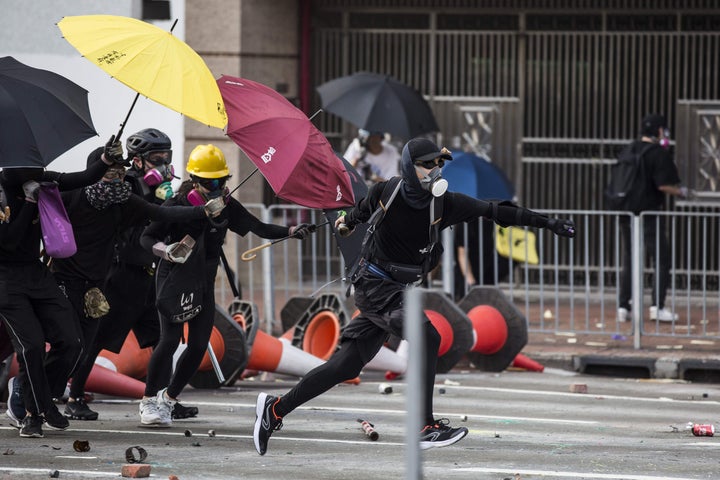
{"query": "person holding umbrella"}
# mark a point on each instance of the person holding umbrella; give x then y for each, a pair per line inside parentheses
(208, 175)
(32, 307)
(98, 213)
(130, 283)
(402, 250)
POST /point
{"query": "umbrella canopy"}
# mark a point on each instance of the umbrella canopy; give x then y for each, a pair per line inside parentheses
(293, 156)
(350, 246)
(378, 103)
(476, 177)
(42, 115)
(149, 60)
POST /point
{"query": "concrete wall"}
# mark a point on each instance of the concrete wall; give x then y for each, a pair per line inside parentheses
(253, 39)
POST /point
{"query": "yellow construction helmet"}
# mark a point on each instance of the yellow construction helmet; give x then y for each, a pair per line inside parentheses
(207, 161)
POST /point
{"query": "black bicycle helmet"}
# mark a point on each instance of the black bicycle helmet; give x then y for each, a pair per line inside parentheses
(146, 141)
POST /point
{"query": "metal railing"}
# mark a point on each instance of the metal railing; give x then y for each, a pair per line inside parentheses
(572, 290)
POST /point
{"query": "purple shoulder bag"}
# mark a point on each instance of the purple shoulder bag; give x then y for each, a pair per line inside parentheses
(57, 232)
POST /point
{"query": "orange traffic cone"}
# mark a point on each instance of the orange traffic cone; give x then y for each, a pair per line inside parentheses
(319, 336)
(105, 381)
(108, 382)
(131, 361)
(521, 361)
(271, 354)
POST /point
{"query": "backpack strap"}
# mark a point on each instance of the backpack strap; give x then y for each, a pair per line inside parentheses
(436, 210)
(386, 198)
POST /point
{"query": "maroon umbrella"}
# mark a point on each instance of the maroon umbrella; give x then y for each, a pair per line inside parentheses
(295, 158)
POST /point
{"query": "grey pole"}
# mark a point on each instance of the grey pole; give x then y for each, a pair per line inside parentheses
(637, 277)
(415, 387)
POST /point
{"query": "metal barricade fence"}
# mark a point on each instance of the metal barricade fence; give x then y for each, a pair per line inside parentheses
(572, 290)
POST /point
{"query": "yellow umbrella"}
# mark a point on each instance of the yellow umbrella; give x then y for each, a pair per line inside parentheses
(149, 60)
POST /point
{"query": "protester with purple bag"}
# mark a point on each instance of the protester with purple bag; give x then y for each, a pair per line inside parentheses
(32, 306)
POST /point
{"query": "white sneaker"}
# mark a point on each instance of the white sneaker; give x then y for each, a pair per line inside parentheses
(663, 315)
(149, 412)
(165, 407)
(622, 315)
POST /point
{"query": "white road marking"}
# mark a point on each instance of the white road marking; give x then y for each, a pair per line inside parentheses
(576, 475)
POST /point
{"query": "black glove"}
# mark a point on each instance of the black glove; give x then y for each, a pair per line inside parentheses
(31, 190)
(113, 152)
(564, 228)
(303, 230)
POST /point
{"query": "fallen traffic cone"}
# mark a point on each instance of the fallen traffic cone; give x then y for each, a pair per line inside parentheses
(499, 328)
(387, 359)
(103, 380)
(267, 353)
(402, 351)
(131, 361)
(320, 322)
(521, 361)
(108, 382)
(453, 326)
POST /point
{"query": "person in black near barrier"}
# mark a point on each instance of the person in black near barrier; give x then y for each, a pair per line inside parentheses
(659, 177)
(403, 249)
(208, 176)
(130, 283)
(98, 213)
(32, 306)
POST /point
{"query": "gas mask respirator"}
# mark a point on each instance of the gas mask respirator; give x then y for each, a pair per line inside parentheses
(665, 141)
(434, 183)
(198, 199)
(160, 177)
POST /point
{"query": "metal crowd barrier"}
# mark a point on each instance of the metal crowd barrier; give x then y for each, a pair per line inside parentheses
(571, 291)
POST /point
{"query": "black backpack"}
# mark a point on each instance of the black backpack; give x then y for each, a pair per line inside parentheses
(626, 189)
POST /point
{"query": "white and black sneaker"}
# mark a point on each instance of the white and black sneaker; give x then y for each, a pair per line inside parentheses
(266, 422)
(440, 434)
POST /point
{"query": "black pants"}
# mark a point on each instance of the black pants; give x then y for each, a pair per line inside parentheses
(657, 248)
(382, 314)
(34, 311)
(160, 369)
(130, 291)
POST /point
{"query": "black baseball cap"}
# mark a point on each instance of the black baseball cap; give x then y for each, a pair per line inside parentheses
(422, 149)
(651, 123)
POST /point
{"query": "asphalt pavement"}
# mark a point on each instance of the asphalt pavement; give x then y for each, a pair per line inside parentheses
(523, 426)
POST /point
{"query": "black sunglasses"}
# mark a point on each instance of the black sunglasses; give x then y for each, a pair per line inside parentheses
(430, 164)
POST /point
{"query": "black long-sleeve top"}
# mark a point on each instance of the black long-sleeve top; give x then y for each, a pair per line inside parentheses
(404, 232)
(20, 238)
(96, 231)
(239, 221)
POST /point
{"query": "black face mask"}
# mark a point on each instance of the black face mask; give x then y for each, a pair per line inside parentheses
(15, 177)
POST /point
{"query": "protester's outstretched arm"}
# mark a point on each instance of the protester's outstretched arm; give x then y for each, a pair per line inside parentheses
(506, 213)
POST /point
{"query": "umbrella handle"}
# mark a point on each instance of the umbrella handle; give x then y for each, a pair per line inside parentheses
(250, 254)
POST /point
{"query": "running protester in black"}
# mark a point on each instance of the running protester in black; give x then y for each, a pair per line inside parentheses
(98, 213)
(208, 175)
(403, 249)
(32, 307)
(130, 283)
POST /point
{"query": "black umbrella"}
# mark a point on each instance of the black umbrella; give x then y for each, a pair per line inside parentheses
(350, 246)
(42, 115)
(378, 103)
